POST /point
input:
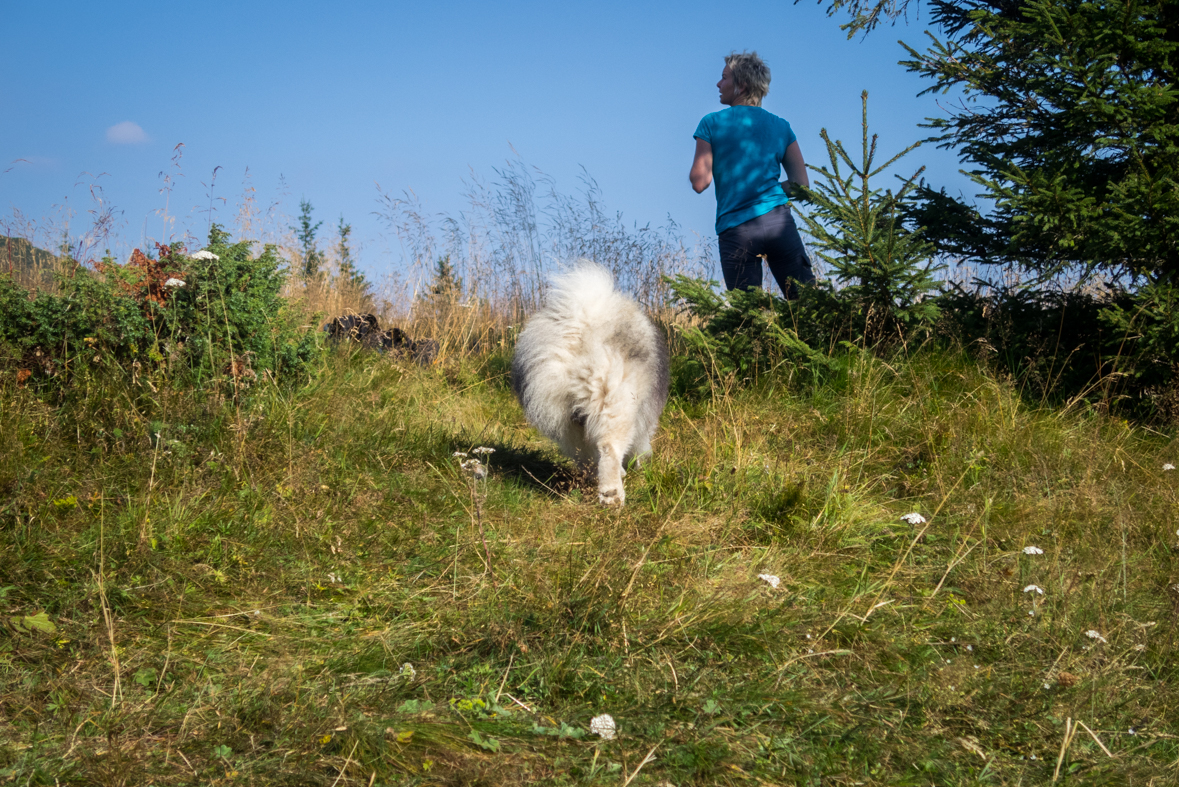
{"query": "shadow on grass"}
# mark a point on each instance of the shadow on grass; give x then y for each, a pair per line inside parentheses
(537, 471)
(532, 469)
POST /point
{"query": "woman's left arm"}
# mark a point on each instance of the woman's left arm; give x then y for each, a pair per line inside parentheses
(795, 168)
(701, 174)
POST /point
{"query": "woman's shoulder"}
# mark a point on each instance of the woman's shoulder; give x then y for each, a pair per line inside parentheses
(740, 117)
(779, 124)
(756, 114)
(770, 116)
(713, 117)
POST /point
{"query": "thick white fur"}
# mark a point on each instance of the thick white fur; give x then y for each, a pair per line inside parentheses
(591, 373)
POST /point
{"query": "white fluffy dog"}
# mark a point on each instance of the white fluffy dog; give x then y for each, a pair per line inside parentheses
(591, 373)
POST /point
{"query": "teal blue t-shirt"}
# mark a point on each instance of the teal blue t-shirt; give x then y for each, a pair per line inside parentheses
(748, 146)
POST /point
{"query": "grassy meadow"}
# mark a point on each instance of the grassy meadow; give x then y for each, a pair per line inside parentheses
(257, 583)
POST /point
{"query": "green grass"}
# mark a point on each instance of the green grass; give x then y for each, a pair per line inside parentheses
(233, 601)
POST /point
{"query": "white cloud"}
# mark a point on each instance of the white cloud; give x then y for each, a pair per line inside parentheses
(126, 133)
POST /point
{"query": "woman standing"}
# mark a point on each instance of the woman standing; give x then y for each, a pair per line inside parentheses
(743, 149)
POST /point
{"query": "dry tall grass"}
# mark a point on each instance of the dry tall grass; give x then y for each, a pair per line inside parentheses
(519, 229)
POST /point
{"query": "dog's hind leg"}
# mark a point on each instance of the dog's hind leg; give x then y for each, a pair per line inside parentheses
(612, 442)
(611, 414)
(610, 489)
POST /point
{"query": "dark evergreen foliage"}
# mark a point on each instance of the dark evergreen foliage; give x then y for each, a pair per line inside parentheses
(1071, 128)
(866, 14)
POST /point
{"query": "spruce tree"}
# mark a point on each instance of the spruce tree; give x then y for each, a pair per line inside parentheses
(866, 14)
(1070, 127)
(884, 266)
(447, 285)
(348, 267)
(305, 233)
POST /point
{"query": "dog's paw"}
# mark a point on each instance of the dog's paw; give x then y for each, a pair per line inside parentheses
(612, 497)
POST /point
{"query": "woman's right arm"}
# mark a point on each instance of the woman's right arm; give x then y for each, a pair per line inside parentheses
(701, 174)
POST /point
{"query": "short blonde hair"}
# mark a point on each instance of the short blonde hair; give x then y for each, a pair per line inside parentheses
(751, 74)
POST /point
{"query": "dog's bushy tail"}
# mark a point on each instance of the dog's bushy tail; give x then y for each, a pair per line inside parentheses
(579, 289)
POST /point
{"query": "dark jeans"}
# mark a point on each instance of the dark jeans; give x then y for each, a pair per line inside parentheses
(774, 235)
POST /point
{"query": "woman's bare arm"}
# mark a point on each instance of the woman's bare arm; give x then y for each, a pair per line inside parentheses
(701, 174)
(795, 168)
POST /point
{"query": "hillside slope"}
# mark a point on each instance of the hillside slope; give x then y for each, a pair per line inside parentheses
(26, 263)
(278, 585)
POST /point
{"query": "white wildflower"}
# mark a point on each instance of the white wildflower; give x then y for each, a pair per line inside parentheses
(204, 254)
(335, 578)
(970, 648)
(1031, 613)
(914, 519)
(1168, 466)
(174, 282)
(1034, 589)
(603, 726)
(458, 454)
(1132, 731)
(770, 578)
(475, 469)
(407, 671)
(1030, 550)
(1091, 634)
(483, 450)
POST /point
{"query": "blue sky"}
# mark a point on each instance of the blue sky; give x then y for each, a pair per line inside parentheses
(331, 99)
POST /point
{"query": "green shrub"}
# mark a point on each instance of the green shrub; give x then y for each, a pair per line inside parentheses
(1050, 342)
(1144, 345)
(745, 334)
(1116, 348)
(226, 319)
